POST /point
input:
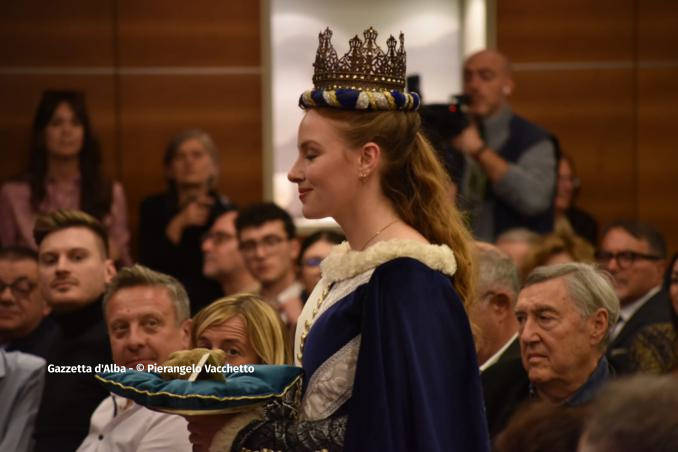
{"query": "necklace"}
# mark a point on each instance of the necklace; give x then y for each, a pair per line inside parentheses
(376, 234)
(323, 296)
(309, 322)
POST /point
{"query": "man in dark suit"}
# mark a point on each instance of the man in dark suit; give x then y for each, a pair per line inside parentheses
(564, 315)
(497, 289)
(635, 255)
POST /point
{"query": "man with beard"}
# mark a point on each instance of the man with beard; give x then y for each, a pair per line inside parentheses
(509, 172)
(73, 270)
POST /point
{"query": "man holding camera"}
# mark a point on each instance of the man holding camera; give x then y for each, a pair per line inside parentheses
(510, 164)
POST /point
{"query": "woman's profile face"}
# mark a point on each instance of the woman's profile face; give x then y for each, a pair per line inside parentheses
(565, 187)
(673, 288)
(192, 164)
(64, 133)
(232, 337)
(326, 170)
(310, 263)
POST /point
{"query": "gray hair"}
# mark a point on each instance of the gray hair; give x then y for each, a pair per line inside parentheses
(636, 413)
(495, 270)
(519, 235)
(203, 137)
(589, 287)
(140, 276)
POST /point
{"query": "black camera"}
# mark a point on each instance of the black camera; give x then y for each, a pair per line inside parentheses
(445, 121)
(441, 123)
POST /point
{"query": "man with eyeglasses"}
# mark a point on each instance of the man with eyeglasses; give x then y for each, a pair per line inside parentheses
(24, 326)
(267, 241)
(635, 255)
(222, 260)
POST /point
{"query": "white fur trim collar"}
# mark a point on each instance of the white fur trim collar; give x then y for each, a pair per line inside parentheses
(344, 263)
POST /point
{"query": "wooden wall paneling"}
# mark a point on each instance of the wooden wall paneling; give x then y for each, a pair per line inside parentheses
(52, 45)
(657, 155)
(196, 33)
(154, 108)
(20, 95)
(565, 30)
(198, 65)
(573, 63)
(657, 22)
(657, 115)
(591, 112)
(56, 33)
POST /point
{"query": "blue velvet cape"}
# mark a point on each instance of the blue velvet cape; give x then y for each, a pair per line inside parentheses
(417, 385)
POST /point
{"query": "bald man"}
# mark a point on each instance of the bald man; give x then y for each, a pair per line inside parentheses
(510, 163)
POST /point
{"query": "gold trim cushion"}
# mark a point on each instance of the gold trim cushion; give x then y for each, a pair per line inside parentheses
(241, 391)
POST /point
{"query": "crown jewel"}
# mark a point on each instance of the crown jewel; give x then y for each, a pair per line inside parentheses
(365, 67)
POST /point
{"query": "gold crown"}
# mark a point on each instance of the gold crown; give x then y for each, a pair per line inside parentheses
(365, 67)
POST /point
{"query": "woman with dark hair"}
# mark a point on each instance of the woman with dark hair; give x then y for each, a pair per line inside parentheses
(313, 250)
(566, 212)
(172, 223)
(384, 339)
(64, 172)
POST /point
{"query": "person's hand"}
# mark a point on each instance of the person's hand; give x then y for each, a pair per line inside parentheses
(203, 428)
(197, 211)
(469, 141)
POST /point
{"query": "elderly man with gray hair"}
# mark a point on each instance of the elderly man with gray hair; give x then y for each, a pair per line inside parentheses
(565, 313)
(491, 312)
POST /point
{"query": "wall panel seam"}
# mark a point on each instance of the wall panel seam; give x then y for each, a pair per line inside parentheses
(131, 70)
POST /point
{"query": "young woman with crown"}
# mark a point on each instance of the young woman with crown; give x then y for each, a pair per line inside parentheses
(384, 339)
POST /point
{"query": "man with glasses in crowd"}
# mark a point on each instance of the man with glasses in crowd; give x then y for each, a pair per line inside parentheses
(222, 261)
(635, 255)
(267, 241)
(24, 326)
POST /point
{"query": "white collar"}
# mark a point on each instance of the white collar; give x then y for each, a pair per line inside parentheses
(291, 292)
(494, 358)
(344, 263)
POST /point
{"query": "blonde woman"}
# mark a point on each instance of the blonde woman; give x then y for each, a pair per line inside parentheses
(247, 329)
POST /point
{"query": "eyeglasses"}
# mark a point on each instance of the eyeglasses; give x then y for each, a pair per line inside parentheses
(624, 258)
(312, 261)
(268, 243)
(22, 287)
(217, 237)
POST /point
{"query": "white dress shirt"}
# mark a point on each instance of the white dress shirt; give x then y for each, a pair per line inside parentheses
(494, 358)
(120, 425)
(22, 378)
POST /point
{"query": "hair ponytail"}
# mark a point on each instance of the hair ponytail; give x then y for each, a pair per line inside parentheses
(415, 181)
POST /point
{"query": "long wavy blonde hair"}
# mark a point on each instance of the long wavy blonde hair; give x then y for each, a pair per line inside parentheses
(414, 180)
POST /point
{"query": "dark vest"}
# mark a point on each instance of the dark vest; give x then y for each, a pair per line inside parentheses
(522, 135)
